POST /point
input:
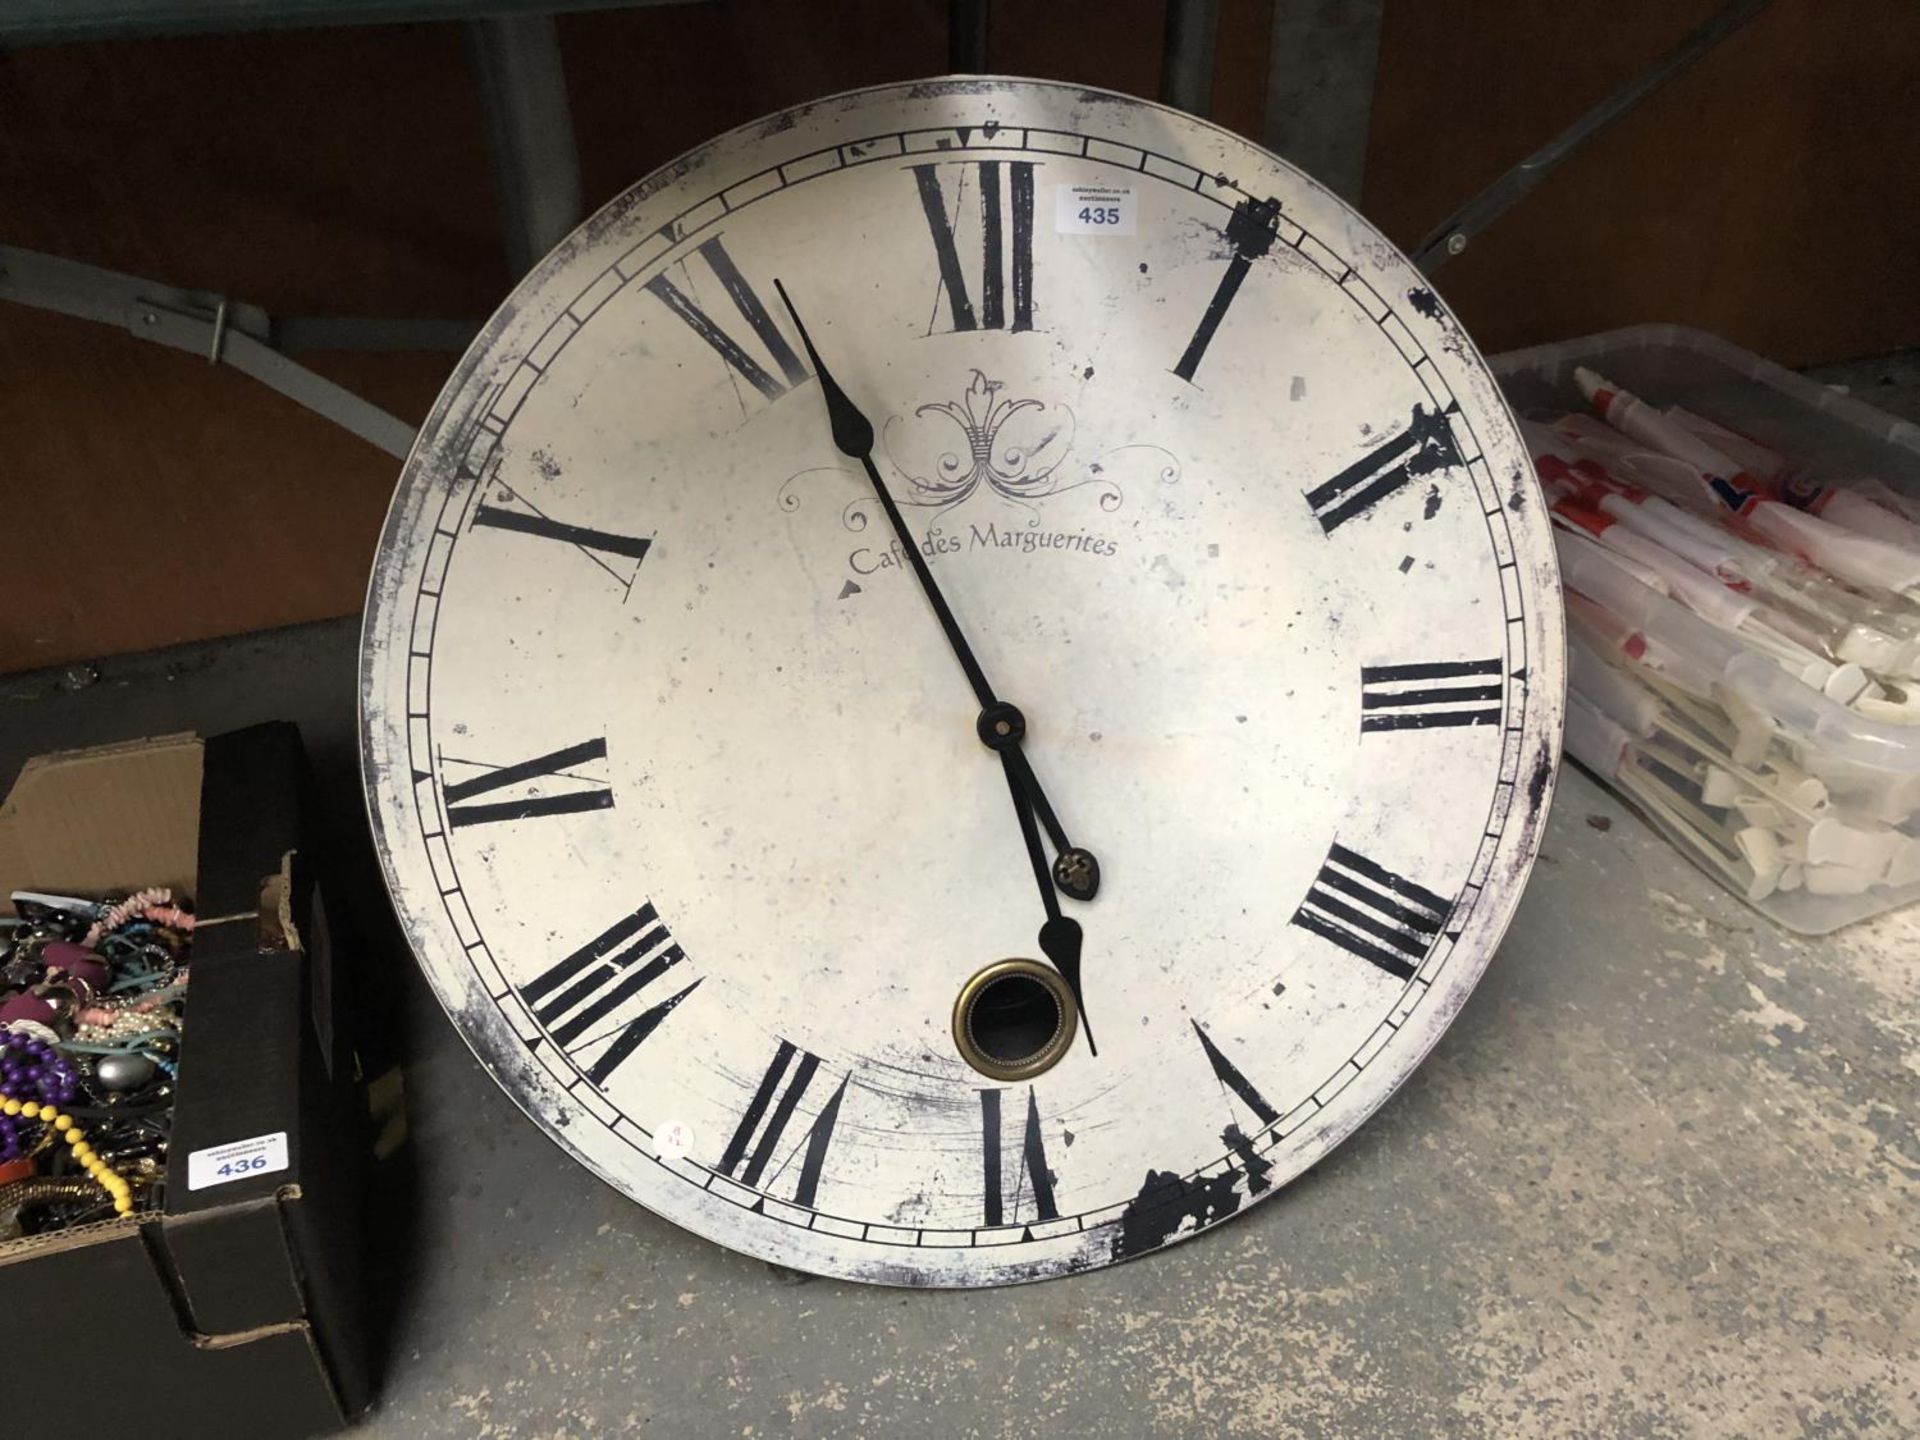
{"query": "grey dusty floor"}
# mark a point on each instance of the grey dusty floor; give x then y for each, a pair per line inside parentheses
(1661, 1178)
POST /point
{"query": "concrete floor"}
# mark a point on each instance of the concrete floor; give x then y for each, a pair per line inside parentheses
(1661, 1178)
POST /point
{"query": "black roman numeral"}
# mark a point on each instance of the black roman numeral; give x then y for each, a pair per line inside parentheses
(782, 1092)
(1229, 1075)
(1429, 696)
(574, 996)
(1033, 1162)
(1426, 445)
(595, 795)
(590, 542)
(1251, 231)
(752, 309)
(1369, 911)
(998, 217)
(633, 547)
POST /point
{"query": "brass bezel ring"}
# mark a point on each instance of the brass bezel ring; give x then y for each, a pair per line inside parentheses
(1041, 1060)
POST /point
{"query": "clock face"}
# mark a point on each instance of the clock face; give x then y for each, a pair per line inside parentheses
(676, 780)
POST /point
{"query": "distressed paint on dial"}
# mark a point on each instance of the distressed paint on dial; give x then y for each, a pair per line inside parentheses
(675, 781)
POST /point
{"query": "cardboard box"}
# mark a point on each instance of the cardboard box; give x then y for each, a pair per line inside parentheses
(239, 1310)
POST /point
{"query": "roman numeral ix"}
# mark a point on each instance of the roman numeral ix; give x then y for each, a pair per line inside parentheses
(1004, 218)
(582, 794)
(751, 308)
(781, 1092)
(1033, 1162)
(1432, 695)
(1368, 911)
(574, 997)
(1426, 445)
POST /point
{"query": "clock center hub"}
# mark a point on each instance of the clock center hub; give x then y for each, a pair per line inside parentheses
(1014, 1020)
(1000, 726)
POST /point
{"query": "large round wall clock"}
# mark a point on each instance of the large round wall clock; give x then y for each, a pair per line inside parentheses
(962, 682)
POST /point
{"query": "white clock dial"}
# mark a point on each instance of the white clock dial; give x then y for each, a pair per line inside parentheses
(676, 778)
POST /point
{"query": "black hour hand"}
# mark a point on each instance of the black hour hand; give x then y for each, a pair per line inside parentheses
(852, 431)
(1001, 727)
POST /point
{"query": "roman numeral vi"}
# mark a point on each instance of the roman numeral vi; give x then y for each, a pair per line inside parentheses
(1033, 1162)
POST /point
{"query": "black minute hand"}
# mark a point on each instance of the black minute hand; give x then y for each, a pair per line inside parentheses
(1000, 725)
(1060, 937)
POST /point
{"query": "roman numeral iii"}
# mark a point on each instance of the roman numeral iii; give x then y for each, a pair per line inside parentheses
(594, 986)
(750, 308)
(1032, 1163)
(1006, 241)
(1426, 445)
(754, 1145)
(1431, 695)
(1368, 911)
(552, 788)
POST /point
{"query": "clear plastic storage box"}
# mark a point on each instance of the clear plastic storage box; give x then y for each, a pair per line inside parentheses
(1779, 778)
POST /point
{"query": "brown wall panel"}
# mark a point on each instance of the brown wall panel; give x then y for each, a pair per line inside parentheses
(649, 84)
(313, 172)
(1764, 194)
(157, 498)
(148, 498)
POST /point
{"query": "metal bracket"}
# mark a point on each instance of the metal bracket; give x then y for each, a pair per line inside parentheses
(198, 322)
(530, 145)
(967, 23)
(1449, 238)
(1186, 60)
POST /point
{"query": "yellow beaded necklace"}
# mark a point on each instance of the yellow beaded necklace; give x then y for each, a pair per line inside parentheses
(103, 1174)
